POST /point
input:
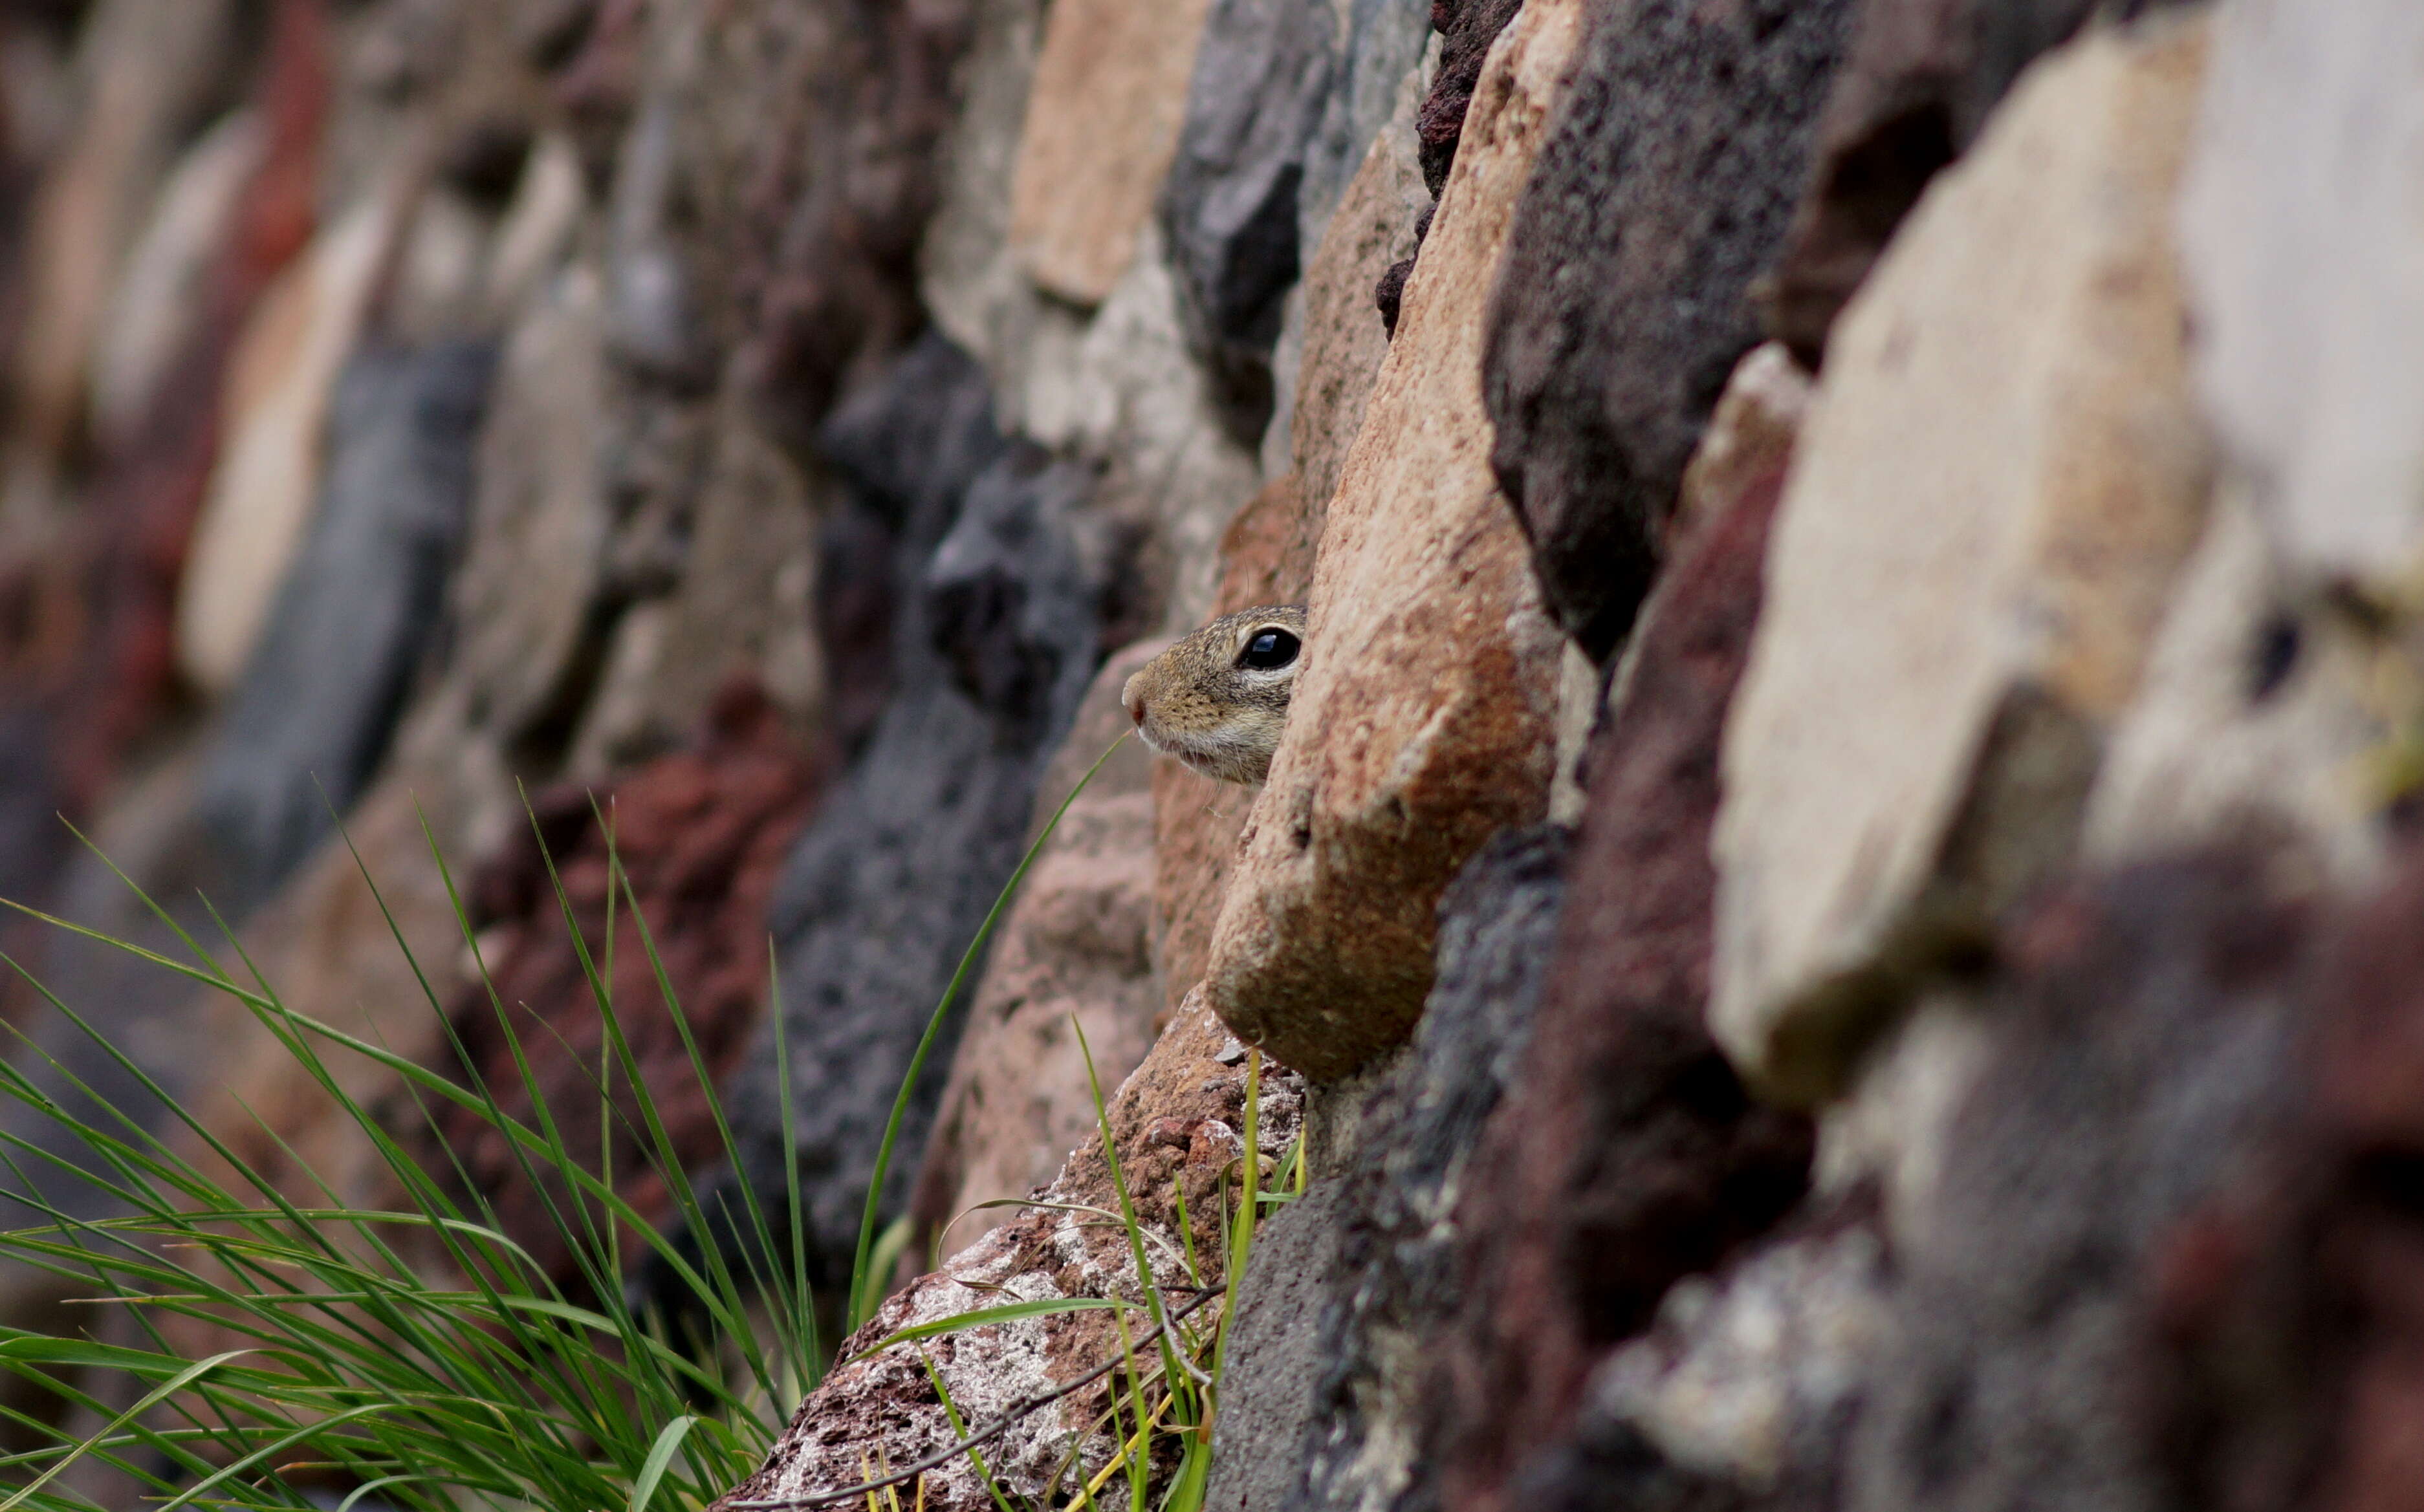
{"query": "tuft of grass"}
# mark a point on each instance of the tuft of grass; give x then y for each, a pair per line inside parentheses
(415, 1358)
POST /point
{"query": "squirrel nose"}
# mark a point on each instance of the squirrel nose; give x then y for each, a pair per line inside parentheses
(1132, 698)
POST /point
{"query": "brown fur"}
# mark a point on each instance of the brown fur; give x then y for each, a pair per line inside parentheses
(1194, 702)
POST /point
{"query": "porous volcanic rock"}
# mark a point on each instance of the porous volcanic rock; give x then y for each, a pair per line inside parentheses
(1103, 119)
(1627, 1154)
(1364, 1365)
(1422, 722)
(698, 836)
(1075, 946)
(2142, 1059)
(1466, 29)
(1922, 79)
(1988, 507)
(994, 637)
(309, 721)
(1229, 207)
(1625, 298)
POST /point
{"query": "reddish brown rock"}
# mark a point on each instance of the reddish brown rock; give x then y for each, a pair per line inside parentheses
(1466, 29)
(1424, 719)
(699, 835)
(1627, 1155)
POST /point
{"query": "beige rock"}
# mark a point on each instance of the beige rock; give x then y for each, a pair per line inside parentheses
(2299, 226)
(162, 288)
(1989, 501)
(1101, 126)
(2219, 746)
(1424, 719)
(267, 476)
(1371, 231)
(538, 522)
(145, 67)
(1077, 946)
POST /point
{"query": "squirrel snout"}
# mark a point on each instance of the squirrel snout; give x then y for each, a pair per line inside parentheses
(1132, 698)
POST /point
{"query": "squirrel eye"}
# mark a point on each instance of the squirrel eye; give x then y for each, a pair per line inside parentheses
(1269, 650)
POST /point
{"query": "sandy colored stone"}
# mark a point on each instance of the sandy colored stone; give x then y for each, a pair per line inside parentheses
(1102, 123)
(2299, 225)
(1076, 947)
(1372, 229)
(261, 491)
(1987, 510)
(1424, 719)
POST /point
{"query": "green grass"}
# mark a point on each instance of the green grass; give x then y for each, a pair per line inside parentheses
(418, 1357)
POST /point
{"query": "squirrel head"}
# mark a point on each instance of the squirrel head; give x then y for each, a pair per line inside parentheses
(1219, 699)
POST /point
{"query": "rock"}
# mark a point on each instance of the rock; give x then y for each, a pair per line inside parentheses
(2140, 1060)
(1466, 29)
(536, 553)
(151, 312)
(1625, 299)
(2307, 319)
(1178, 1121)
(1371, 231)
(1075, 946)
(308, 723)
(1396, 1275)
(698, 836)
(1380, 58)
(143, 500)
(1422, 722)
(1921, 81)
(1229, 208)
(1102, 125)
(2250, 725)
(1276, 1344)
(1988, 507)
(1740, 1395)
(146, 75)
(280, 381)
(1628, 1154)
(994, 639)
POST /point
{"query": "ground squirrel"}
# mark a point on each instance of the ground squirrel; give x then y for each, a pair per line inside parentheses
(1219, 699)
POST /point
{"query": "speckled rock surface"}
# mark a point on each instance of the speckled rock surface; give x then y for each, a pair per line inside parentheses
(2027, 500)
(1420, 724)
(1659, 202)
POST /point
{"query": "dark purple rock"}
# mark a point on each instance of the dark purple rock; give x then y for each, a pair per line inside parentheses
(1660, 197)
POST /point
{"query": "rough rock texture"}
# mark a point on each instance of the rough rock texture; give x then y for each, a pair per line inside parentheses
(2153, 1011)
(1365, 1367)
(1277, 1340)
(1633, 1155)
(994, 637)
(1466, 29)
(1103, 122)
(1178, 1120)
(1076, 947)
(697, 838)
(1982, 524)
(1229, 209)
(1625, 296)
(1420, 723)
(1918, 85)
(2308, 377)
(307, 727)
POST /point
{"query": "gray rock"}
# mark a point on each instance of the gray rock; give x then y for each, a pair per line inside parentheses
(992, 634)
(319, 699)
(1229, 208)
(1661, 196)
(1383, 42)
(1275, 1353)
(1396, 1280)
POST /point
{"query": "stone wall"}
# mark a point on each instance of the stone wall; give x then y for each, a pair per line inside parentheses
(1832, 923)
